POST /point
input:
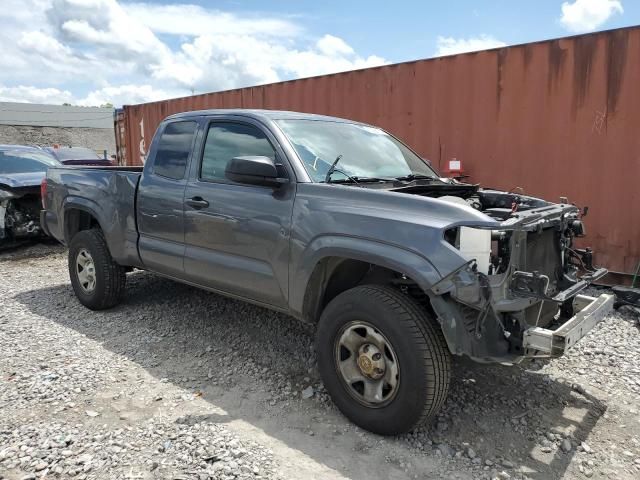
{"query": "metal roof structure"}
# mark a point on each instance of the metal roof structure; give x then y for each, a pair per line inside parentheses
(42, 115)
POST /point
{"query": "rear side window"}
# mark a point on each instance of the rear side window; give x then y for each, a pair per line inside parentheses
(173, 150)
(228, 140)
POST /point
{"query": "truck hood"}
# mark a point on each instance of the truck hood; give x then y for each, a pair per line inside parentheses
(443, 205)
(400, 206)
(471, 205)
(21, 180)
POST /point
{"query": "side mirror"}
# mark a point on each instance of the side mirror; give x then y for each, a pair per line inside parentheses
(254, 171)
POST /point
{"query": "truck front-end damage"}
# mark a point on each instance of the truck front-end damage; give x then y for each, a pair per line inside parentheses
(516, 293)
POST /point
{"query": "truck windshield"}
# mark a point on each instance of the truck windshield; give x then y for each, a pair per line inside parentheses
(16, 161)
(365, 152)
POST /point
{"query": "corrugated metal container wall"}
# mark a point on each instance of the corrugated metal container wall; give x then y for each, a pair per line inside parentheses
(559, 117)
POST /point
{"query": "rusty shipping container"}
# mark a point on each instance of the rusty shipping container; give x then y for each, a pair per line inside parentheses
(557, 117)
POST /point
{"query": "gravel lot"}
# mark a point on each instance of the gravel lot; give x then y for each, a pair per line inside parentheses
(178, 383)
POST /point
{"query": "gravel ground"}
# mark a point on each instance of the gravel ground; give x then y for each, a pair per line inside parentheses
(178, 383)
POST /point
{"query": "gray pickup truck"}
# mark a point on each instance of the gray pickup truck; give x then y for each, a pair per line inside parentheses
(339, 224)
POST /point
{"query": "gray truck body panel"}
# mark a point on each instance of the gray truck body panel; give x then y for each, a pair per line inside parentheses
(264, 245)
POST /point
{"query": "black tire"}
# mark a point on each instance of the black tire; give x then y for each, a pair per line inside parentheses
(110, 278)
(422, 355)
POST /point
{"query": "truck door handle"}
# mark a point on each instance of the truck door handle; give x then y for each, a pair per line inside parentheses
(197, 203)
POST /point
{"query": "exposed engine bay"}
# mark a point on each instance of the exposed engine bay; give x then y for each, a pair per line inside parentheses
(19, 213)
(549, 238)
(522, 269)
(550, 232)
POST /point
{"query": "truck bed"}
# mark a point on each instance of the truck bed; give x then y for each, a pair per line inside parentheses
(108, 192)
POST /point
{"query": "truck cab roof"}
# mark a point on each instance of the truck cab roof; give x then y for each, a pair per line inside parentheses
(263, 115)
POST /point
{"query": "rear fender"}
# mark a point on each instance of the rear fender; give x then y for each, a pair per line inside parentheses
(121, 241)
(83, 204)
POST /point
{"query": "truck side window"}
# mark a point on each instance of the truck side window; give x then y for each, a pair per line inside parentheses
(173, 150)
(228, 140)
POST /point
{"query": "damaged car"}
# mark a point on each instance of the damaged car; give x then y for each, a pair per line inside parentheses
(22, 170)
(78, 156)
(341, 225)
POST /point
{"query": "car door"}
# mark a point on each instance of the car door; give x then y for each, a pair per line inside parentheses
(236, 235)
(160, 199)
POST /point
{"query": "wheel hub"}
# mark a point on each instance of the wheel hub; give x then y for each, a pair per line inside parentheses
(370, 361)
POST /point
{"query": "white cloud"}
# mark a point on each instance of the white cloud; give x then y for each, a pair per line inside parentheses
(452, 46)
(125, 94)
(103, 25)
(117, 95)
(333, 46)
(223, 62)
(28, 94)
(587, 15)
(136, 52)
(41, 43)
(193, 20)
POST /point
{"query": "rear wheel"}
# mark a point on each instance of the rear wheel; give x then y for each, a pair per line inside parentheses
(97, 280)
(383, 359)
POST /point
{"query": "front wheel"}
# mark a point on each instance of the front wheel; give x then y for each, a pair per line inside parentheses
(97, 280)
(383, 359)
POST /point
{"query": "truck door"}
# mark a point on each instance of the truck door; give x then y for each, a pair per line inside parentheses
(236, 235)
(160, 200)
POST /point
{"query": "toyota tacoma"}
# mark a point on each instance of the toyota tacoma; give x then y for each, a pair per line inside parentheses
(339, 224)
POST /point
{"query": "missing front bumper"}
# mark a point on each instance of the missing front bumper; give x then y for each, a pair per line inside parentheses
(542, 342)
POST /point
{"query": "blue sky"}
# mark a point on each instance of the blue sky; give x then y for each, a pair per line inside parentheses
(408, 30)
(123, 51)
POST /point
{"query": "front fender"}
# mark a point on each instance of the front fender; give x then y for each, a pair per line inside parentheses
(391, 256)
